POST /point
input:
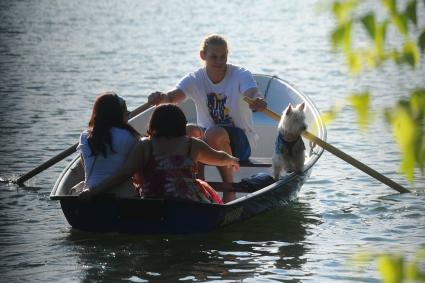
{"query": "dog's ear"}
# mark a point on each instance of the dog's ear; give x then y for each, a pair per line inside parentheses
(301, 106)
(288, 109)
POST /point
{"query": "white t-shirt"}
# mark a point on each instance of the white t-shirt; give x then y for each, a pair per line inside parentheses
(122, 142)
(221, 103)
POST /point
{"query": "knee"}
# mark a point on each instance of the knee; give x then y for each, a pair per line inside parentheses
(194, 131)
(217, 138)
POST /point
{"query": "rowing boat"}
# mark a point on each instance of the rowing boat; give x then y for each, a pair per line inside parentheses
(255, 192)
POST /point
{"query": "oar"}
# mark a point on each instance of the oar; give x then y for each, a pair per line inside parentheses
(347, 158)
(20, 181)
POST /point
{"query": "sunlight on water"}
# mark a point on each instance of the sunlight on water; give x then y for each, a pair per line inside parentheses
(56, 56)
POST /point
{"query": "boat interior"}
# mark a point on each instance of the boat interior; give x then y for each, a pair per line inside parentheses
(278, 94)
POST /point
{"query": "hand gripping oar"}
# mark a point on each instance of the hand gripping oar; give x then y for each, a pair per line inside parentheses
(347, 158)
(20, 181)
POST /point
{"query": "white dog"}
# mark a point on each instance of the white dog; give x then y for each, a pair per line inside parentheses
(289, 150)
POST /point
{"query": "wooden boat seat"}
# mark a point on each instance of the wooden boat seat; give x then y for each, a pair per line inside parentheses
(246, 185)
(256, 162)
(222, 187)
(264, 162)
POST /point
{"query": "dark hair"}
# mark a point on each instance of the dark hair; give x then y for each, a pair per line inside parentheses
(168, 121)
(108, 112)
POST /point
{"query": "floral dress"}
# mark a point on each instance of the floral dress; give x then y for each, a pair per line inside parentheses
(174, 176)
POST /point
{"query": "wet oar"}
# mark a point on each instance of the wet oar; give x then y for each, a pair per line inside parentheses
(67, 152)
(347, 158)
(70, 150)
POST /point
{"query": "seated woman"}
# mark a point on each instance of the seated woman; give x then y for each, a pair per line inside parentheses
(105, 144)
(167, 159)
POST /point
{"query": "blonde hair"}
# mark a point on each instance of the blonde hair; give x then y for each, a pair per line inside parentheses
(213, 39)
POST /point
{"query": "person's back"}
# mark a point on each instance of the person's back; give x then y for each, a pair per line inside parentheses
(170, 172)
(105, 145)
(99, 167)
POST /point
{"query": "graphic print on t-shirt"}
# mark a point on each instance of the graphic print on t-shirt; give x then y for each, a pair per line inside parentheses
(216, 103)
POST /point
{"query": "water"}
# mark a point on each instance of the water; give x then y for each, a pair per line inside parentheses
(56, 56)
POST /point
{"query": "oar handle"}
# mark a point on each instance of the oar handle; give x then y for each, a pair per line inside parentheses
(347, 158)
(20, 181)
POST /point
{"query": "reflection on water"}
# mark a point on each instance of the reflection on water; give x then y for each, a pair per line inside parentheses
(271, 245)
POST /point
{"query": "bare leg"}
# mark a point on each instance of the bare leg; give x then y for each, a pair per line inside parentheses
(218, 139)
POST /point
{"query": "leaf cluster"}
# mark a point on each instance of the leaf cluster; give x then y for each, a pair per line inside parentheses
(406, 117)
(395, 268)
(373, 55)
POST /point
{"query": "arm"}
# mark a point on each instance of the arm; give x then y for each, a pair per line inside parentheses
(136, 160)
(174, 96)
(258, 104)
(82, 161)
(202, 152)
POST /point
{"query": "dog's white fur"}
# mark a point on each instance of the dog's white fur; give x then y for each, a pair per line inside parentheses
(291, 125)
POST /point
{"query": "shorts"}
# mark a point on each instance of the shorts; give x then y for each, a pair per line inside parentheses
(238, 142)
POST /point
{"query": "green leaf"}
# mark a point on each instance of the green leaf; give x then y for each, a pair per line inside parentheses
(377, 33)
(410, 54)
(391, 268)
(380, 33)
(354, 62)
(409, 133)
(369, 24)
(360, 102)
(400, 21)
(342, 10)
(420, 254)
(421, 41)
(341, 37)
(417, 108)
(395, 56)
(414, 273)
(336, 9)
(371, 58)
(347, 38)
(337, 36)
(395, 267)
(329, 116)
(417, 102)
(391, 5)
(411, 12)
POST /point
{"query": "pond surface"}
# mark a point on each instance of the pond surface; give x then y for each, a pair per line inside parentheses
(56, 56)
